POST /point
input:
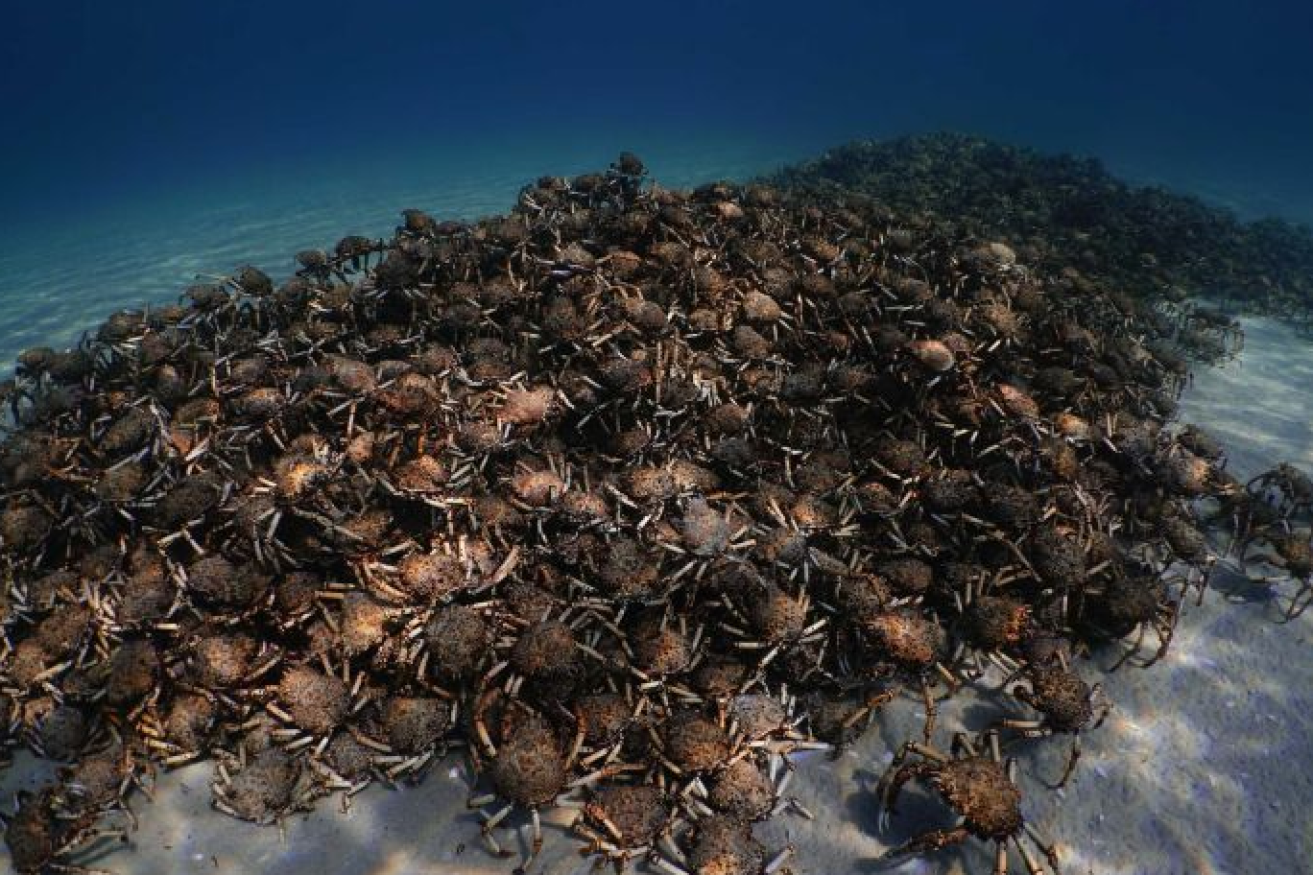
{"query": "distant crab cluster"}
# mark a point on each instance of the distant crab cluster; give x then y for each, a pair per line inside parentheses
(1068, 214)
(631, 492)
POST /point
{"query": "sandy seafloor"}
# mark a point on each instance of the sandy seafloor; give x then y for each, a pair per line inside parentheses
(1205, 765)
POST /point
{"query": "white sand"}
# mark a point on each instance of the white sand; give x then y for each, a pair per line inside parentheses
(1204, 767)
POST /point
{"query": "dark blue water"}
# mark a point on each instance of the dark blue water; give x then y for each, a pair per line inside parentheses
(150, 141)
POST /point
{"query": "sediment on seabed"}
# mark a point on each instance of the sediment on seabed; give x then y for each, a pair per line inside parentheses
(633, 493)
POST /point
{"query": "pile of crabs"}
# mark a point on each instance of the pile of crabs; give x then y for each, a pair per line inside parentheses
(632, 494)
(1069, 214)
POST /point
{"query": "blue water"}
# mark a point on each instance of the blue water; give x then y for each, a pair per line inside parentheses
(150, 142)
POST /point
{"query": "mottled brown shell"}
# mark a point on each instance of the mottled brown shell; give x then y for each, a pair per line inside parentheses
(951, 490)
(775, 615)
(423, 475)
(297, 476)
(627, 570)
(1058, 558)
(525, 407)
(537, 488)
(903, 458)
(133, 671)
(224, 660)
(22, 527)
(1017, 402)
(742, 791)
(32, 834)
(719, 676)
(906, 637)
(1063, 698)
(1186, 541)
(934, 355)
(638, 812)
(724, 846)
(761, 308)
(217, 582)
(695, 743)
(1128, 601)
(979, 789)
(348, 757)
(907, 575)
(995, 622)
(190, 721)
(363, 623)
(703, 529)
(529, 768)
(648, 483)
(757, 715)
(430, 576)
(414, 724)
(659, 652)
(129, 432)
(457, 638)
(317, 702)
(263, 790)
(603, 717)
(121, 483)
(63, 733)
(544, 647)
(726, 419)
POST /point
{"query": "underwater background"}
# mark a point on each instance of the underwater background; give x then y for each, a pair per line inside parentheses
(149, 144)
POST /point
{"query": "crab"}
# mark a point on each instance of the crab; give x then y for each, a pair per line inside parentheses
(979, 788)
(768, 620)
(724, 846)
(263, 787)
(1188, 545)
(547, 660)
(1202, 444)
(992, 625)
(1067, 705)
(1292, 487)
(42, 833)
(623, 822)
(692, 743)
(744, 791)
(313, 703)
(530, 769)
(1129, 602)
(456, 641)
(64, 733)
(1292, 551)
(414, 728)
(102, 781)
(662, 650)
(181, 734)
(595, 488)
(905, 642)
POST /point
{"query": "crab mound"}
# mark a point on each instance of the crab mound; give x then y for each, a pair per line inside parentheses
(599, 481)
(1068, 214)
